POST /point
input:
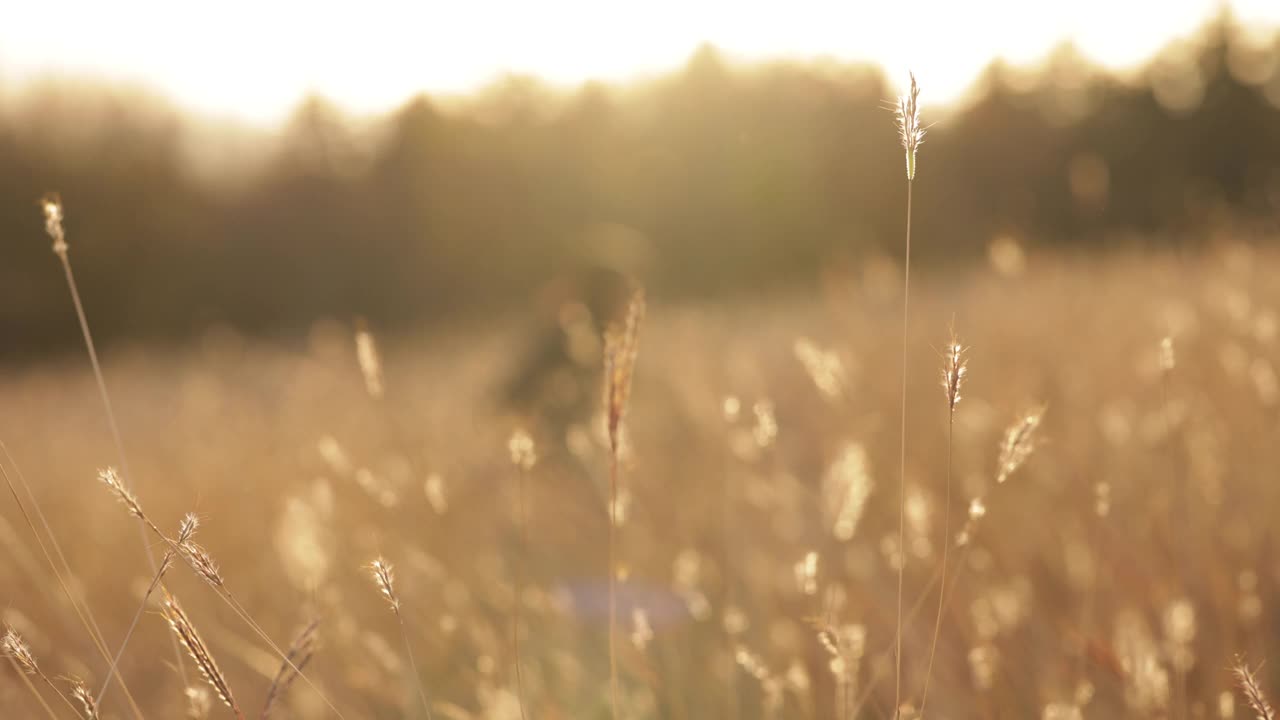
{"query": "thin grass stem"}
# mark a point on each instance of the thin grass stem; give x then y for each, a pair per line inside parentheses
(613, 583)
(946, 545)
(133, 625)
(517, 590)
(34, 690)
(902, 469)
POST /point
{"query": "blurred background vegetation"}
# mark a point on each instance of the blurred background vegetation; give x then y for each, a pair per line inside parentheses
(713, 180)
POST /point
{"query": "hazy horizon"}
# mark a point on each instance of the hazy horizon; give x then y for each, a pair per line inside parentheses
(374, 63)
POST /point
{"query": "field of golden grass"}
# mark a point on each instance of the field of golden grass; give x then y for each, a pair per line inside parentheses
(1117, 573)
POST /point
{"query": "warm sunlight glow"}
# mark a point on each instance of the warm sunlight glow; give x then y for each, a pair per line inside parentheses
(254, 60)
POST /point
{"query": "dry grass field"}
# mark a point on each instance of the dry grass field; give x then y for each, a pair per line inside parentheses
(1118, 572)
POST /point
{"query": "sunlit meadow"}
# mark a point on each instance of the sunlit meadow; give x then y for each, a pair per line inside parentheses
(659, 408)
(1117, 572)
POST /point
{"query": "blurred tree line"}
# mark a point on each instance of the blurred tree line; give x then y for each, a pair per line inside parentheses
(712, 180)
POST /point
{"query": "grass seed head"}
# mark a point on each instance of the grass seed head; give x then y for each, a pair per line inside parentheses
(203, 563)
(184, 630)
(384, 576)
(910, 132)
(51, 203)
(1252, 691)
(620, 349)
(80, 693)
(1019, 442)
(823, 366)
(954, 369)
(111, 479)
(187, 528)
(15, 647)
(846, 487)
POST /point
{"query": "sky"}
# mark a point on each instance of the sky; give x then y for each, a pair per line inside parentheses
(254, 60)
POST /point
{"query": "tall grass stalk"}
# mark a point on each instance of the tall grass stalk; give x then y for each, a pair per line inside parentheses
(1020, 440)
(729, 543)
(524, 456)
(1097, 520)
(885, 655)
(911, 135)
(613, 584)
(1182, 506)
(384, 577)
(620, 349)
(53, 215)
(954, 370)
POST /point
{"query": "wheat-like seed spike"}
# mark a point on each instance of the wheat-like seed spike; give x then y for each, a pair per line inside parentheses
(384, 576)
(111, 479)
(620, 349)
(187, 528)
(954, 369)
(1252, 691)
(1019, 441)
(299, 655)
(203, 563)
(909, 129)
(15, 647)
(82, 695)
(186, 633)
